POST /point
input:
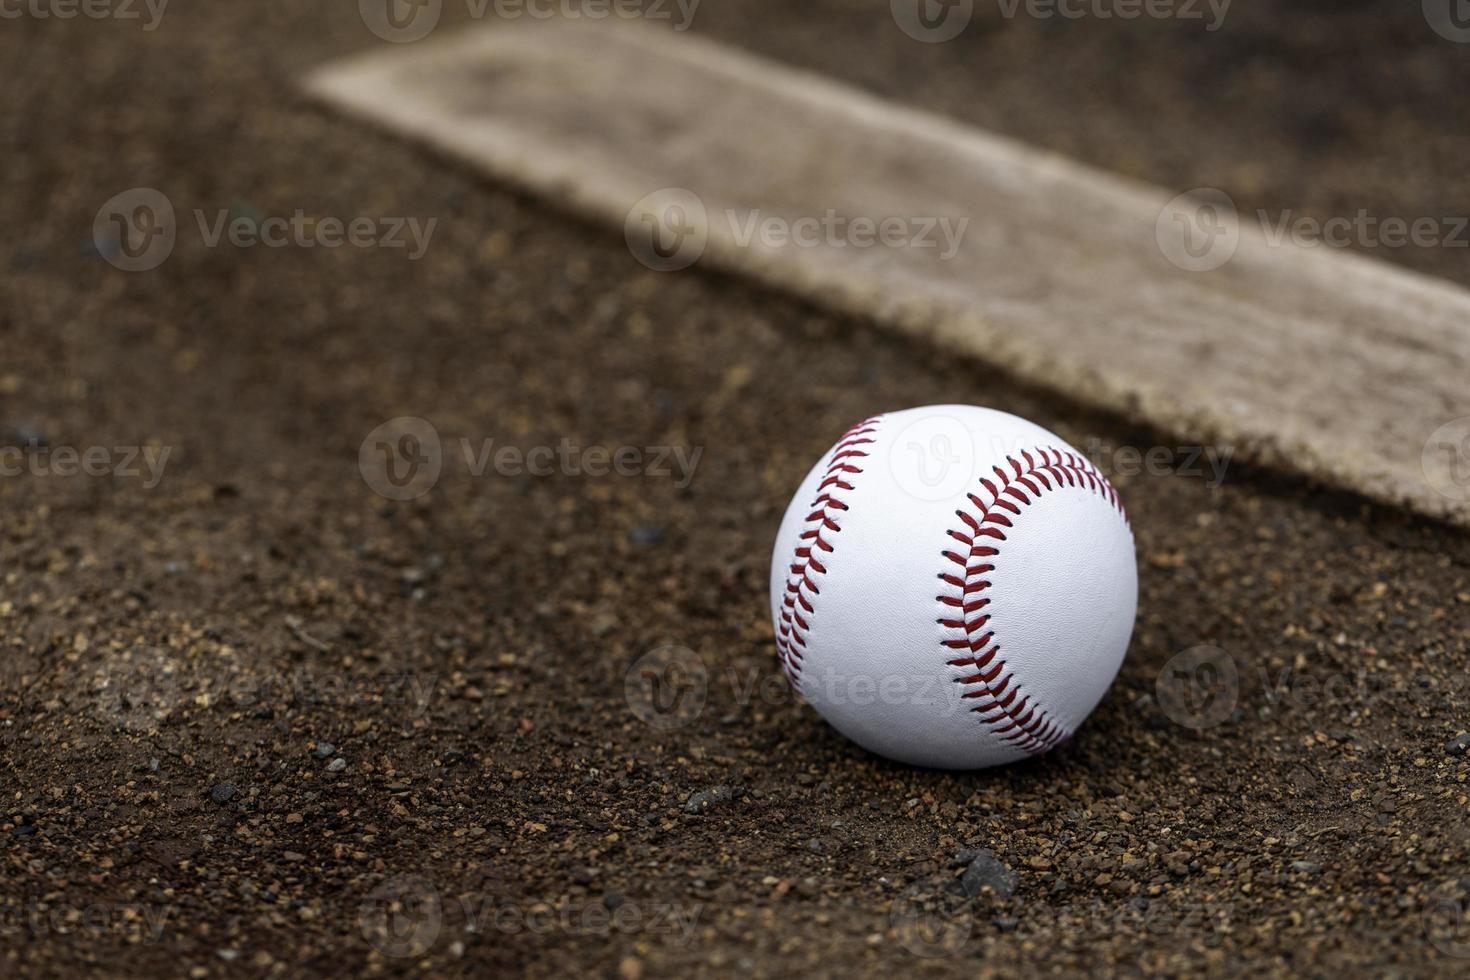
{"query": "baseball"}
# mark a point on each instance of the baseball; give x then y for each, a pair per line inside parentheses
(953, 587)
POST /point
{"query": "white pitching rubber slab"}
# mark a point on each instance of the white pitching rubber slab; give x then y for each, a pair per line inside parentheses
(1163, 308)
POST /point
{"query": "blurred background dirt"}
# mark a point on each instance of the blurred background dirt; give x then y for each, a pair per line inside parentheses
(250, 714)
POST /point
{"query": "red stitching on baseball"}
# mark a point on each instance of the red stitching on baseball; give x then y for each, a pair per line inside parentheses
(813, 549)
(1010, 714)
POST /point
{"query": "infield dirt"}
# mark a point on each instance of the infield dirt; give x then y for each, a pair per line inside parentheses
(175, 658)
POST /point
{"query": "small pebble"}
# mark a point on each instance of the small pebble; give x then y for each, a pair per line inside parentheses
(24, 435)
(706, 798)
(337, 765)
(222, 793)
(646, 537)
(987, 870)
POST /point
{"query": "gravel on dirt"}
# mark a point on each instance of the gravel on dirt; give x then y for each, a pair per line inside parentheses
(507, 810)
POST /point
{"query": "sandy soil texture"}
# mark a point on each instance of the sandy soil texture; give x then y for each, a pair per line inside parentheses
(256, 719)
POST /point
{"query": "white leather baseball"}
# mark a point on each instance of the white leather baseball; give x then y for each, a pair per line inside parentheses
(953, 587)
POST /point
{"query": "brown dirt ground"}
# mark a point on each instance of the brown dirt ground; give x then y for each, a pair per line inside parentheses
(465, 652)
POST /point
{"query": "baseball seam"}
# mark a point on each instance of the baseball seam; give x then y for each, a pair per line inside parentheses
(1011, 714)
(813, 550)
